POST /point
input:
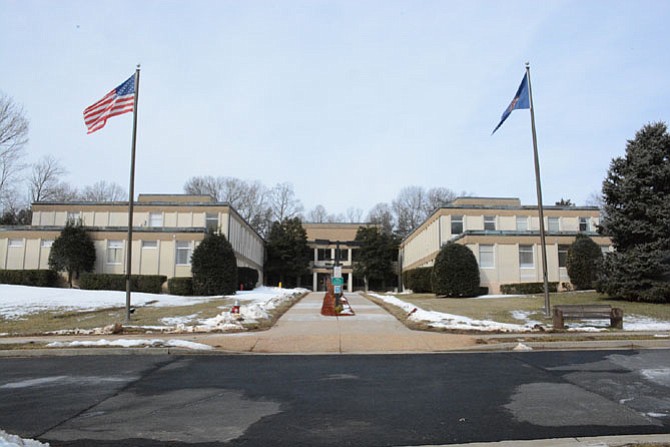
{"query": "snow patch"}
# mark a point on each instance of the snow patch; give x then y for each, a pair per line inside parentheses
(123, 343)
(442, 320)
(7, 440)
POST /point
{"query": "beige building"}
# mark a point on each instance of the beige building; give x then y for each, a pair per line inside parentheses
(166, 230)
(323, 240)
(504, 236)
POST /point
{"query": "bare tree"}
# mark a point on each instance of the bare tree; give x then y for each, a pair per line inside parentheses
(317, 215)
(437, 198)
(354, 215)
(103, 192)
(203, 185)
(595, 199)
(250, 199)
(45, 178)
(409, 208)
(284, 203)
(382, 214)
(64, 192)
(13, 138)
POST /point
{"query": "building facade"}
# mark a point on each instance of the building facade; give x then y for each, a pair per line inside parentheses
(505, 238)
(166, 230)
(329, 242)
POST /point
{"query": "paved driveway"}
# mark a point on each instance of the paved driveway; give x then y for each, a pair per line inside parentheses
(304, 330)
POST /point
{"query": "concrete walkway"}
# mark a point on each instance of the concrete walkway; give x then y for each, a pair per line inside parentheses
(304, 330)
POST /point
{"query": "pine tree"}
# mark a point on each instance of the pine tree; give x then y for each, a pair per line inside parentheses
(456, 272)
(584, 262)
(287, 251)
(376, 254)
(73, 251)
(636, 193)
(214, 267)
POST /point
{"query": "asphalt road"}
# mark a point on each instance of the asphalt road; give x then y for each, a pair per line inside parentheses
(376, 400)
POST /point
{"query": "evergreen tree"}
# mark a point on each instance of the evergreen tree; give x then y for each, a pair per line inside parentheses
(287, 252)
(214, 267)
(636, 195)
(584, 262)
(73, 251)
(376, 254)
(456, 272)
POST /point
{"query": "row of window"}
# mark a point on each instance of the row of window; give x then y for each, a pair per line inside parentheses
(526, 256)
(553, 224)
(183, 251)
(156, 219)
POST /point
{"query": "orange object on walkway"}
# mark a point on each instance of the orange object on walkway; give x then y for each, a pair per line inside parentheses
(328, 308)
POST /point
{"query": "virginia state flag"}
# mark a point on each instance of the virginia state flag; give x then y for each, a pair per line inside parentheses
(521, 101)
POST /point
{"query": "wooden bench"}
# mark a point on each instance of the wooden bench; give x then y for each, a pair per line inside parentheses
(587, 312)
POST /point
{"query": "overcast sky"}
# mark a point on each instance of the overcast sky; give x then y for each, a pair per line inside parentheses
(349, 100)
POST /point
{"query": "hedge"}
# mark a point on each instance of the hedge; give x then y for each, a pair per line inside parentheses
(527, 288)
(247, 277)
(106, 281)
(35, 278)
(418, 280)
(180, 286)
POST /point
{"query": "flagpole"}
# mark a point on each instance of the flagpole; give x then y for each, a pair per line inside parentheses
(543, 243)
(131, 194)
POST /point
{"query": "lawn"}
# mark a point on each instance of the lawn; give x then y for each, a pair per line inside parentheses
(503, 310)
(146, 316)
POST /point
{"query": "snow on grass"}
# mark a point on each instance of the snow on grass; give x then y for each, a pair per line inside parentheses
(122, 343)
(7, 440)
(456, 322)
(440, 320)
(19, 301)
(255, 305)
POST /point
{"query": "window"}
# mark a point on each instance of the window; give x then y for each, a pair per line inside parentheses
(184, 251)
(343, 255)
(583, 224)
(526, 257)
(490, 223)
(16, 243)
(486, 259)
(155, 220)
(563, 255)
(324, 254)
(456, 224)
(47, 243)
(212, 221)
(73, 216)
(114, 252)
(521, 223)
(149, 244)
(554, 226)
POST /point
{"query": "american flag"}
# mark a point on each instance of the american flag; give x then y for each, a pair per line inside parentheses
(119, 101)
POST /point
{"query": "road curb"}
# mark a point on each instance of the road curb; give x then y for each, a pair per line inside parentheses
(600, 441)
(509, 347)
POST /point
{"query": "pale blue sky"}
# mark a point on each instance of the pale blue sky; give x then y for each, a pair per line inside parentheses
(348, 100)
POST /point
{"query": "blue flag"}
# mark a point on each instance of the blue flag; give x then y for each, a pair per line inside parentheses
(521, 101)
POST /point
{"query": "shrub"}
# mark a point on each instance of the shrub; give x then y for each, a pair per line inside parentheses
(527, 288)
(180, 286)
(106, 281)
(247, 277)
(73, 251)
(456, 272)
(419, 280)
(214, 267)
(584, 262)
(35, 278)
